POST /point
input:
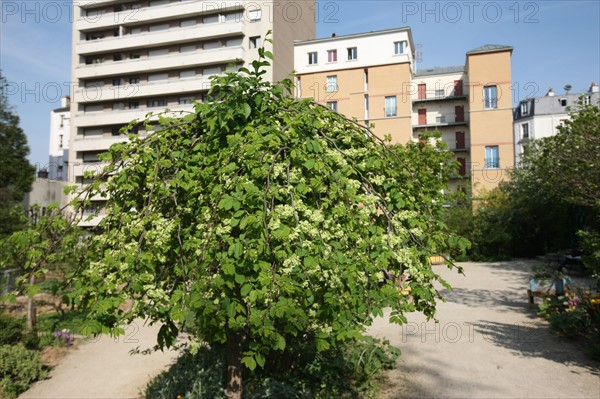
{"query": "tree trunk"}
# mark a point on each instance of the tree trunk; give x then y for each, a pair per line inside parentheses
(234, 365)
(31, 317)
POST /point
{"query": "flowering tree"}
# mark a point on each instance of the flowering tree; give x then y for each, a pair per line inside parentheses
(265, 219)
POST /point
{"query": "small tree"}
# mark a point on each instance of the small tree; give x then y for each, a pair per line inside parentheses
(265, 219)
(16, 173)
(48, 246)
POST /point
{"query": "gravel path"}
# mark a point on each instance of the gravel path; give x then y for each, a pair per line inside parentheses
(488, 343)
(104, 368)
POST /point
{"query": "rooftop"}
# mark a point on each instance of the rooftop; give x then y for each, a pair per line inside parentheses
(355, 35)
(440, 70)
(489, 48)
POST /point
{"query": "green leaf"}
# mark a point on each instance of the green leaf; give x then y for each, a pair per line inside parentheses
(249, 362)
(246, 110)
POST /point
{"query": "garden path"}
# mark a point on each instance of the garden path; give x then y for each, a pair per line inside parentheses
(104, 368)
(489, 343)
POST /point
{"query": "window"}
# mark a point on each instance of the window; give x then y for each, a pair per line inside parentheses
(117, 82)
(134, 56)
(312, 58)
(187, 23)
(187, 49)
(562, 102)
(255, 42)
(134, 80)
(116, 130)
(157, 28)
(118, 106)
(490, 97)
(235, 42)
(524, 108)
(134, 104)
(94, 108)
(186, 100)
(352, 53)
(439, 93)
(187, 74)
(586, 100)
(211, 45)
(158, 53)
(331, 85)
(332, 105)
(117, 57)
(440, 119)
(211, 70)
(158, 77)
(399, 47)
(525, 131)
(157, 103)
(390, 107)
(331, 55)
(492, 157)
(254, 15)
(135, 31)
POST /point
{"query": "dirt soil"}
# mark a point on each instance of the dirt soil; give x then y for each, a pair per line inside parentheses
(489, 343)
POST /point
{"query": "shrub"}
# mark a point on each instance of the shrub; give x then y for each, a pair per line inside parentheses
(346, 371)
(19, 367)
(11, 329)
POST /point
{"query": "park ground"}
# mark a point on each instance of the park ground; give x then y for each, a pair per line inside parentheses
(488, 343)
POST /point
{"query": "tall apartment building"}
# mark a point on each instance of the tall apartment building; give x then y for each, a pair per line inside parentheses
(372, 77)
(538, 117)
(60, 131)
(131, 57)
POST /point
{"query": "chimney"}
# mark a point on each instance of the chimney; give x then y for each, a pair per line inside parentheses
(594, 88)
(334, 35)
(65, 102)
(550, 93)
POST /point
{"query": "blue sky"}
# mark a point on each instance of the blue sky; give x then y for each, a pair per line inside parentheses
(555, 43)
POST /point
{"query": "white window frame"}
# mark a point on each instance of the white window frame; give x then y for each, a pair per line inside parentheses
(525, 133)
(332, 105)
(332, 55)
(400, 47)
(332, 84)
(524, 108)
(391, 107)
(255, 42)
(490, 97)
(313, 58)
(492, 157)
(352, 53)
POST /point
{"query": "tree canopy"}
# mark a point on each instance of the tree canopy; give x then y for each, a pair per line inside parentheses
(264, 219)
(16, 173)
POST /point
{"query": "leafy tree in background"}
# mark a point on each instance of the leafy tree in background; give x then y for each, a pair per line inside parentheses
(16, 173)
(265, 220)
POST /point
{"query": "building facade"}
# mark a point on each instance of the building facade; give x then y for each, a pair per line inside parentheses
(539, 117)
(132, 57)
(372, 77)
(60, 131)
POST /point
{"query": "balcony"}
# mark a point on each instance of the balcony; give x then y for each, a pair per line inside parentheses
(435, 98)
(160, 38)
(92, 119)
(126, 93)
(182, 60)
(150, 14)
(441, 122)
(96, 143)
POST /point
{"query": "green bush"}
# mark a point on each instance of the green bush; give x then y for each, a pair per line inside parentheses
(11, 329)
(19, 367)
(348, 371)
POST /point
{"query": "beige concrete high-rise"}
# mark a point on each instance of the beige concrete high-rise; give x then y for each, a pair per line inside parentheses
(132, 57)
